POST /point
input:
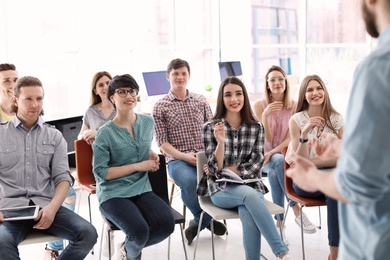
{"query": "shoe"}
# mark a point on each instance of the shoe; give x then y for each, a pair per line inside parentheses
(284, 237)
(121, 252)
(219, 228)
(287, 257)
(191, 232)
(105, 243)
(307, 226)
(51, 254)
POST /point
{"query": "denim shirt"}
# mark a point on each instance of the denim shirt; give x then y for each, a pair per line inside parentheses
(32, 162)
(363, 170)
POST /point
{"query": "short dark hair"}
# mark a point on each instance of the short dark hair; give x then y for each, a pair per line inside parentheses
(26, 81)
(7, 66)
(121, 81)
(178, 63)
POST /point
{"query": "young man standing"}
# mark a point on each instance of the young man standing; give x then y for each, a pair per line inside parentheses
(361, 180)
(179, 117)
(34, 171)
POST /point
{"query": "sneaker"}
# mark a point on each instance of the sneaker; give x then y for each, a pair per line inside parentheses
(51, 254)
(284, 237)
(191, 232)
(121, 252)
(307, 226)
(105, 243)
(287, 257)
(219, 228)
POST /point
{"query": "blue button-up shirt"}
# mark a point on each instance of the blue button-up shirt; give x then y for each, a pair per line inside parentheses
(363, 171)
(32, 162)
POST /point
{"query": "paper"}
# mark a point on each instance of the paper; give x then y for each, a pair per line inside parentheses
(230, 176)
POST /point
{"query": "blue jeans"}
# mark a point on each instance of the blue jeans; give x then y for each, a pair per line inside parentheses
(184, 175)
(255, 218)
(59, 244)
(67, 225)
(275, 172)
(145, 219)
(332, 214)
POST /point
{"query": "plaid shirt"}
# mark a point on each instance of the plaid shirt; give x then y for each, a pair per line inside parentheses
(179, 122)
(243, 148)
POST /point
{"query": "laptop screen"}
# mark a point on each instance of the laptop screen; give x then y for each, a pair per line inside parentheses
(156, 83)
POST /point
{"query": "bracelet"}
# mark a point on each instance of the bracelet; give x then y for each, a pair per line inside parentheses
(302, 141)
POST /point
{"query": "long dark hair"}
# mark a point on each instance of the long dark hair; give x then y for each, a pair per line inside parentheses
(246, 111)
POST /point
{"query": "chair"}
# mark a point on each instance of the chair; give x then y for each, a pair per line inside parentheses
(83, 156)
(304, 202)
(171, 195)
(159, 183)
(218, 213)
(35, 237)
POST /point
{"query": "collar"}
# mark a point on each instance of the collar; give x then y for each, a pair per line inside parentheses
(16, 121)
(384, 36)
(172, 96)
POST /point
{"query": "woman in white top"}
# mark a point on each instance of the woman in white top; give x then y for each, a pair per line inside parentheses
(315, 115)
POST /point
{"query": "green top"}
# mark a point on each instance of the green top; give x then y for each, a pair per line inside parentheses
(114, 146)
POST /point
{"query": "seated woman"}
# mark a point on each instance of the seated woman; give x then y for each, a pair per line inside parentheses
(275, 111)
(122, 157)
(315, 115)
(234, 140)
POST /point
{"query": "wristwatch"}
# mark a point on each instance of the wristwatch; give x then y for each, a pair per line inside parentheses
(302, 141)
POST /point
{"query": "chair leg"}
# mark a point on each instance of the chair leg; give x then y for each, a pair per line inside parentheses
(319, 214)
(90, 213)
(109, 243)
(183, 242)
(101, 241)
(184, 215)
(197, 236)
(224, 222)
(212, 237)
(171, 195)
(303, 242)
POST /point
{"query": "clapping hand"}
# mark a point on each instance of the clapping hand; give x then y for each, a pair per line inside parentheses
(328, 147)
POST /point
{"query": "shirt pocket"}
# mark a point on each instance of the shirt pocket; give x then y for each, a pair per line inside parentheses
(9, 155)
(45, 152)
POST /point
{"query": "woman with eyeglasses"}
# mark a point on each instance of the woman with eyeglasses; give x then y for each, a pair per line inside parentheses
(122, 158)
(275, 111)
(315, 115)
(100, 110)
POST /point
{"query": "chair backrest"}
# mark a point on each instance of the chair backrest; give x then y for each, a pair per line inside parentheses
(83, 155)
(200, 162)
(159, 180)
(292, 194)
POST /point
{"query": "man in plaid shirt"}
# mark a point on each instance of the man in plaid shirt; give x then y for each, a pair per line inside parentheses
(179, 117)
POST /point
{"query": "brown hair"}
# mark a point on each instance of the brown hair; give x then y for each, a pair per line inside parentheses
(7, 66)
(327, 108)
(178, 63)
(267, 91)
(26, 81)
(95, 98)
(246, 111)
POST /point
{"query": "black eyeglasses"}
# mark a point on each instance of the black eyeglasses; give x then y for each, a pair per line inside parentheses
(124, 92)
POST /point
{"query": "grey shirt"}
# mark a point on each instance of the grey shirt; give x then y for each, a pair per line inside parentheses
(32, 163)
(94, 117)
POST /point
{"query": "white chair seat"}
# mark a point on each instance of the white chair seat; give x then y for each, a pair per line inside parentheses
(38, 237)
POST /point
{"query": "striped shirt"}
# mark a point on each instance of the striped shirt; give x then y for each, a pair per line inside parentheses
(94, 117)
(32, 162)
(243, 148)
(180, 122)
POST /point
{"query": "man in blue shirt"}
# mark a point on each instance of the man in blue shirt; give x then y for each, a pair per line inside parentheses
(34, 171)
(361, 180)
